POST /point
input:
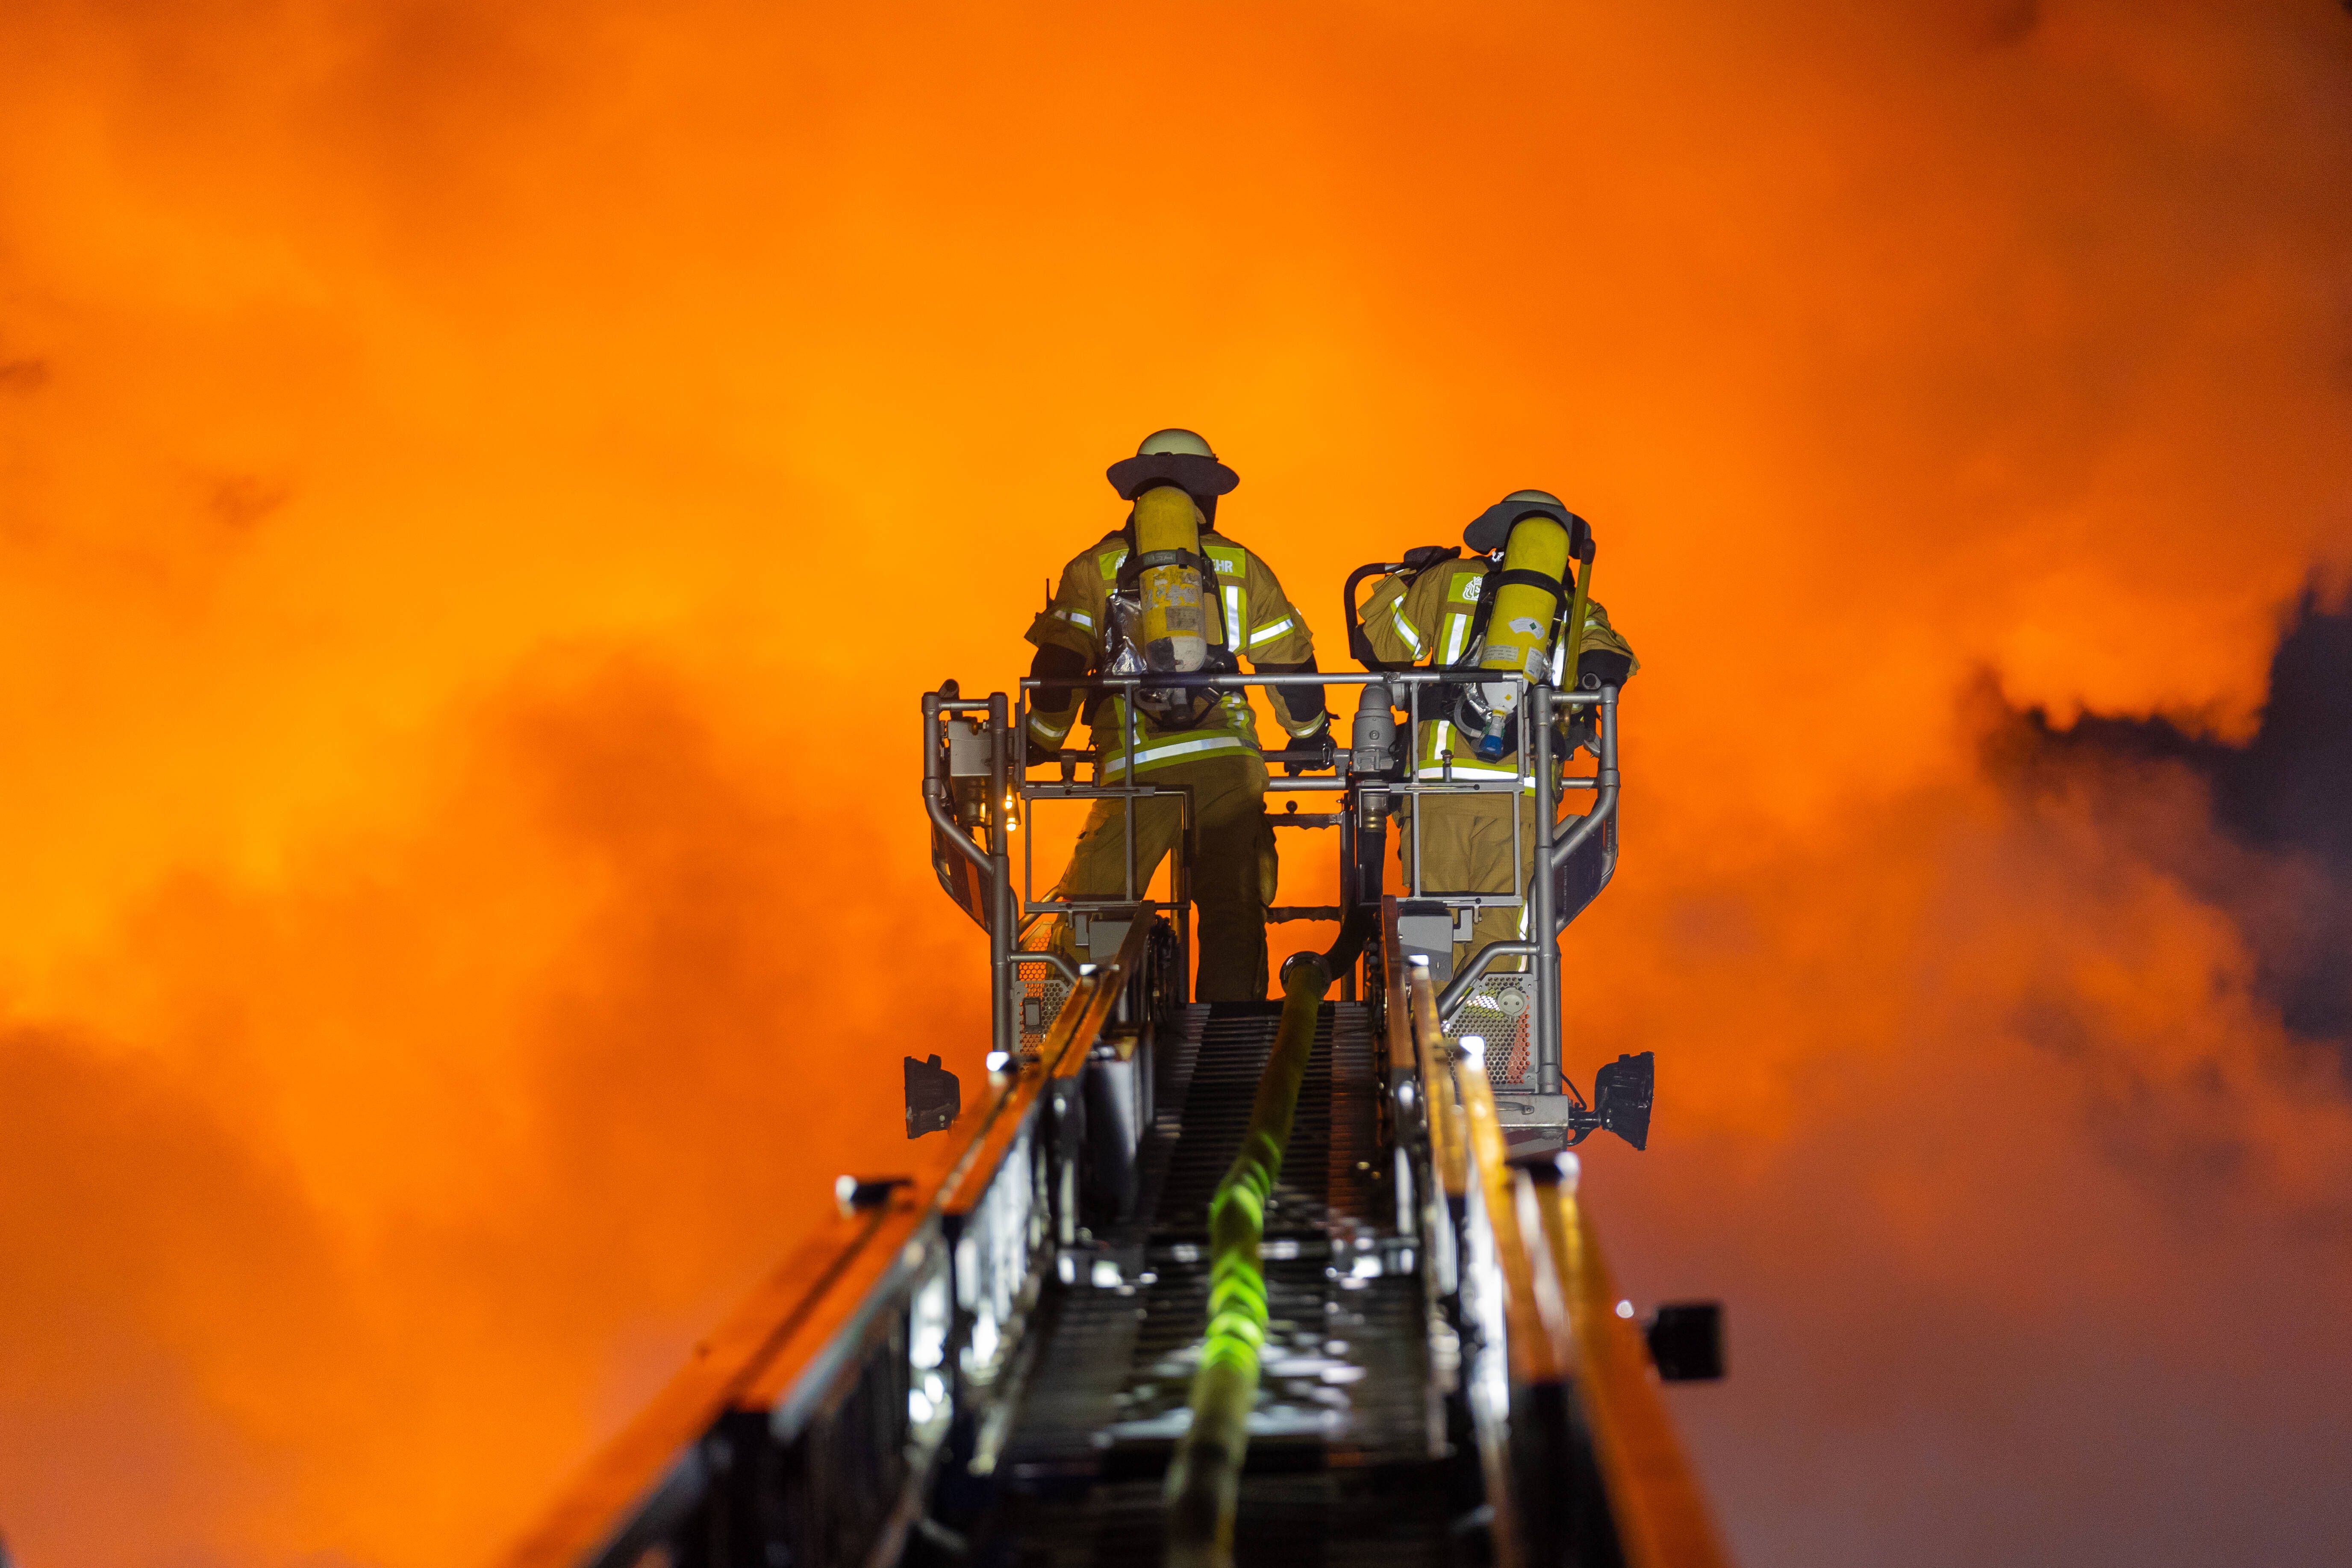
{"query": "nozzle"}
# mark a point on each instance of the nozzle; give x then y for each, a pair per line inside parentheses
(1371, 743)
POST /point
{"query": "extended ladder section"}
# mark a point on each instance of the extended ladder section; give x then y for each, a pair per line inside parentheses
(986, 1358)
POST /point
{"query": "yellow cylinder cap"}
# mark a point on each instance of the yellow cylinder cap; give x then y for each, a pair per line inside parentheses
(1167, 545)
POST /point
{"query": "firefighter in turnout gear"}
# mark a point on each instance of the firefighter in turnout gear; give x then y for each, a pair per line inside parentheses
(1429, 612)
(1165, 591)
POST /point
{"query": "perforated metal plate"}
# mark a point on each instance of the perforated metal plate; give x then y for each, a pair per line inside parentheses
(1498, 1013)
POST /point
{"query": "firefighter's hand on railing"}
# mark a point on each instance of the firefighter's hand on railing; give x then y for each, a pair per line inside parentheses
(1319, 744)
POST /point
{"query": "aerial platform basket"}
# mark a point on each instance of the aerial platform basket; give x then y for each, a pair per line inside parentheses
(983, 1356)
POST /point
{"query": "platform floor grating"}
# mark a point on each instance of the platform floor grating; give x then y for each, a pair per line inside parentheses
(1344, 1429)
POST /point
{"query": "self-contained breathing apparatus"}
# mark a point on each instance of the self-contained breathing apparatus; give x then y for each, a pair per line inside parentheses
(1157, 620)
(1529, 617)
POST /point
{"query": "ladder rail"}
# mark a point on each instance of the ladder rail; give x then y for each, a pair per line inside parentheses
(835, 1357)
(1583, 1465)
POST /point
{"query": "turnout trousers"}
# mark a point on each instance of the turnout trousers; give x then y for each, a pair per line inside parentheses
(1229, 862)
(1465, 847)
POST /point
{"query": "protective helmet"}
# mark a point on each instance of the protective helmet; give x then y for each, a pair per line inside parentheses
(1491, 528)
(1174, 440)
(1176, 457)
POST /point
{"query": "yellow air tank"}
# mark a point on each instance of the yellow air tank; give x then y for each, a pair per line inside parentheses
(1168, 553)
(1518, 627)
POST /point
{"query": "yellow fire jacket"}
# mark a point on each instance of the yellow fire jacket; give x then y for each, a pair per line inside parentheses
(1430, 621)
(1249, 612)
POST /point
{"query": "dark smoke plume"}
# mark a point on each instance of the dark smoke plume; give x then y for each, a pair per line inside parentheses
(2283, 797)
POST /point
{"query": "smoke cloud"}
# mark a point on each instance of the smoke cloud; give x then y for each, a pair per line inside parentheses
(481, 487)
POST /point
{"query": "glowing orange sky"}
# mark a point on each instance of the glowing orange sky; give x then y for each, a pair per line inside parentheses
(481, 487)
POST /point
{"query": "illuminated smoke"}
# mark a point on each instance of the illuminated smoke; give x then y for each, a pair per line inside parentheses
(481, 487)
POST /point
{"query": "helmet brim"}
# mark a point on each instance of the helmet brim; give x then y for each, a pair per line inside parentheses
(1491, 528)
(1196, 475)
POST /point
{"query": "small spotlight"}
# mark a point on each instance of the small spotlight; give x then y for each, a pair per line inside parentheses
(857, 1193)
(1622, 1092)
(934, 1099)
(1686, 1341)
(1624, 1309)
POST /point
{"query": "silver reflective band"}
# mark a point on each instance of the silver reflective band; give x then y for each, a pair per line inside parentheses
(1264, 634)
(1404, 628)
(1077, 618)
(1115, 763)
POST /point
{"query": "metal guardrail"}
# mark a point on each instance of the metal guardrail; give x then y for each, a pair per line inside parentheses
(811, 1418)
(986, 744)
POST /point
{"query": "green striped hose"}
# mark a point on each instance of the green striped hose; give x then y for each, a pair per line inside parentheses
(1205, 1477)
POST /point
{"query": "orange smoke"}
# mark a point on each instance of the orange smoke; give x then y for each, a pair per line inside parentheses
(481, 488)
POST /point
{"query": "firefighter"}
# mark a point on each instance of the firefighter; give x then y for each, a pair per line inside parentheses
(1429, 612)
(1165, 591)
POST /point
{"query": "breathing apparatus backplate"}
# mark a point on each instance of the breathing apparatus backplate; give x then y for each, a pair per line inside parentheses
(1491, 528)
(1170, 708)
(1196, 475)
(1187, 708)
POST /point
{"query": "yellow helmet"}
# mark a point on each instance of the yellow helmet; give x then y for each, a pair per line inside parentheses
(1172, 457)
(1174, 440)
(1490, 528)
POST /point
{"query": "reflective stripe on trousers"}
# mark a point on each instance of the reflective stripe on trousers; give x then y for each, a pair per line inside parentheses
(1162, 754)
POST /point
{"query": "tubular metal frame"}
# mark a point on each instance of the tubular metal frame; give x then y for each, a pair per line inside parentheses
(1533, 774)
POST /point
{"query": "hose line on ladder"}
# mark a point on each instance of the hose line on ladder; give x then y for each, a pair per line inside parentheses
(1204, 1476)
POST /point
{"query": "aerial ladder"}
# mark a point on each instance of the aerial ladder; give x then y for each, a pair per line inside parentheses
(1296, 1282)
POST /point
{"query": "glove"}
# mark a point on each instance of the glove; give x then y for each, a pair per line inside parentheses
(1609, 666)
(1054, 662)
(1299, 702)
(1321, 740)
